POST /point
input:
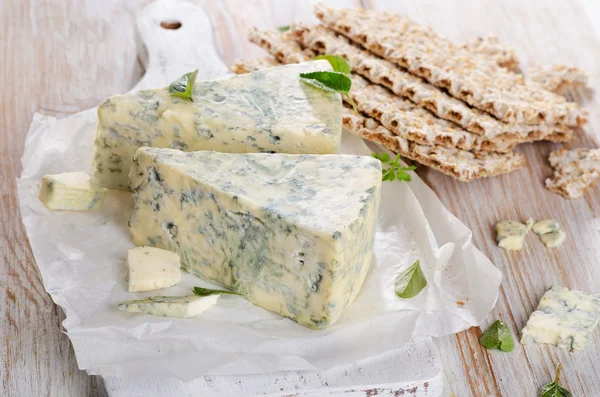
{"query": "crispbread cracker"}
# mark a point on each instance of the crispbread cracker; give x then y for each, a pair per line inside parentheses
(574, 171)
(459, 164)
(558, 78)
(474, 78)
(491, 47)
(402, 83)
(242, 66)
(280, 44)
(401, 116)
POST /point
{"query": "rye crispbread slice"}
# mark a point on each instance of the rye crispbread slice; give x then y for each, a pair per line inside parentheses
(558, 78)
(401, 116)
(402, 83)
(459, 164)
(493, 48)
(574, 171)
(243, 66)
(474, 78)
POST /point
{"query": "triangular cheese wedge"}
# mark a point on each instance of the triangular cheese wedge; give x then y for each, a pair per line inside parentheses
(266, 111)
(292, 233)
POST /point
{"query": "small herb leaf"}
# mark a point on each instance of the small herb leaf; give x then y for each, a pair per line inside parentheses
(338, 63)
(411, 281)
(284, 28)
(395, 171)
(553, 389)
(182, 87)
(207, 291)
(498, 336)
(333, 81)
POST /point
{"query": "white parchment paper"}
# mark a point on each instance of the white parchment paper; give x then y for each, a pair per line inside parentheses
(80, 257)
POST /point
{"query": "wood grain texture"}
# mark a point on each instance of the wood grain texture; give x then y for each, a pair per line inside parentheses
(67, 55)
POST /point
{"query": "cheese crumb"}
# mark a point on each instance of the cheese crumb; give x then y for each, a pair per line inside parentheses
(511, 234)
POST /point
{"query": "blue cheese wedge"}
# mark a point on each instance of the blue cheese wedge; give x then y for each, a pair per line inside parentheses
(150, 268)
(510, 235)
(170, 306)
(71, 191)
(291, 233)
(265, 111)
(564, 318)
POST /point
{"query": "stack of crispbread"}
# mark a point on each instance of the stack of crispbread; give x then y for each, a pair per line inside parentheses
(458, 109)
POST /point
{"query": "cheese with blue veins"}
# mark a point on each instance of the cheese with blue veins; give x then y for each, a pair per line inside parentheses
(564, 318)
(170, 306)
(71, 191)
(150, 268)
(291, 233)
(269, 110)
(511, 234)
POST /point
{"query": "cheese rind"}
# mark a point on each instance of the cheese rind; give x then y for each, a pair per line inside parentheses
(269, 110)
(292, 233)
(150, 268)
(564, 318)
(71, 191)
(170, 306)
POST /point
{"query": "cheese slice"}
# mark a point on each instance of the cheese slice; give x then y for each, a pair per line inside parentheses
(269, 110)
(150, 268)
(71, 191)
(170, 306)
(292, 233)
(564, 318)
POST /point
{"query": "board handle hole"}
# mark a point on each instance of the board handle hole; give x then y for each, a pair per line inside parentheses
(171, 25)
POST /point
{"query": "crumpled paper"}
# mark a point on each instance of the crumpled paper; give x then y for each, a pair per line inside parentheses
(80, 256)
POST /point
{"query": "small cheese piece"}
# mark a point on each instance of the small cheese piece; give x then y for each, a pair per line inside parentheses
(269, 110)
(553, 239)
(292, 233)
(565, 318)
(546, 226)
(510, 235)
(71, 191)
(170, 306)
(150, 268)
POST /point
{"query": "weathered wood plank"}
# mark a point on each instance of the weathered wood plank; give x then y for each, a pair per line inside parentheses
(67, 56)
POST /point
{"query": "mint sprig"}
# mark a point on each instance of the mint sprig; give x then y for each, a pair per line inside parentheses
(338, 63)
(498, 336)
(207, 292)
(182, 87)
(553, 389)
(395, 169)
(284, 28)
(410, 282)
(338, 80)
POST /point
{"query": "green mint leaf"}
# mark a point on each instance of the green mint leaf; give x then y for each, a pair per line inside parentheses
(182, 87)
(284, 28)
(553, 389)
(410, 282)
(207, 291)
(498, 336)
(338, 63)
(331, 81)
(396, 170)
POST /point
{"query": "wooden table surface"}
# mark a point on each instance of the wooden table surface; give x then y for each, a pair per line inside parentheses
(64, 56)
